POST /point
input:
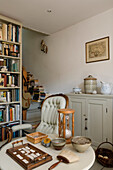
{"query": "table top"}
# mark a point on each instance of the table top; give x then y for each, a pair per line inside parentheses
(86, 159)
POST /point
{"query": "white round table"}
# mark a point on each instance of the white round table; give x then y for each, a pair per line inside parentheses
(86, 159)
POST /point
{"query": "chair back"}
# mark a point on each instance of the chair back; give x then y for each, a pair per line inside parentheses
(49, 113)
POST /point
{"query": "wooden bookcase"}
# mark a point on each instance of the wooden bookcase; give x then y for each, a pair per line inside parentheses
(10, 74)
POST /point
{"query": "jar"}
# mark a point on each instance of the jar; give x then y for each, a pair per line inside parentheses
(90, 84)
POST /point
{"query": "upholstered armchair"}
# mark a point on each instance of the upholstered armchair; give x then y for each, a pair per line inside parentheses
(49, 116)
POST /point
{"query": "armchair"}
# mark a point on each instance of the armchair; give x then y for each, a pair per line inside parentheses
(49, 116)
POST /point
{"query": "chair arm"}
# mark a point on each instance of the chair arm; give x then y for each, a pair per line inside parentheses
(9, 131)
(9, 134)
(21, 127)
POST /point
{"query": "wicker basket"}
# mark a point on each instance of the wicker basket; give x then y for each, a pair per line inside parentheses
(105, 156)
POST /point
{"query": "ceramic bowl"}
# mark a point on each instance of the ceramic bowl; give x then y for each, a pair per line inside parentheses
(58, 143)
(81, 143)
(76, 90)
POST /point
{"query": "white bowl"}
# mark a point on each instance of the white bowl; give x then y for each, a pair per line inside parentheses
(81, 143)
(76, 90)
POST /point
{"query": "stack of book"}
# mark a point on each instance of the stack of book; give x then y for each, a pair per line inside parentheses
(10, 32)
(9, 49)
(9, 113)
(9, 95)
(8, 80)
(39, 93)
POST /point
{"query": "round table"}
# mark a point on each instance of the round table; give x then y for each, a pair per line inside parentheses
(86, 159)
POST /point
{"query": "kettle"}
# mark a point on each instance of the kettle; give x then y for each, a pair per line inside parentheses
(106, 88)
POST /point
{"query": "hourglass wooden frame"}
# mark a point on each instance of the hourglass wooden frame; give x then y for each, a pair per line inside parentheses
(65, 112)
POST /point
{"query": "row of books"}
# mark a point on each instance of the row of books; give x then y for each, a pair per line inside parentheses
(9, 95)
(9, 113)
(3, 135)
(10, 32)
(39, 89)
(9, 49)
(42, 95)
(8, 80)
(39, 95)
(9, 65)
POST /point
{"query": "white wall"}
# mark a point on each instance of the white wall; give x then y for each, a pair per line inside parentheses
(64, 67)
(31, 50)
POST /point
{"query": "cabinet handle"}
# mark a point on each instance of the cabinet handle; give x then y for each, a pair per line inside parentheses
(86, 124)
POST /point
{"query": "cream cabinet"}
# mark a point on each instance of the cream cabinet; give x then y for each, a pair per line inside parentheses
(93, 116)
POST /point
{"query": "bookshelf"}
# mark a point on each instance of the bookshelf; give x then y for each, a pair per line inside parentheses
(10, 74)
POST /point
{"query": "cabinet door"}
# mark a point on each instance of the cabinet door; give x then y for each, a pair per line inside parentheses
(79, 106)
(96, 115)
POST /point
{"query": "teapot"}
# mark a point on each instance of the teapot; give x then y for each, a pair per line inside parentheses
(106, 88)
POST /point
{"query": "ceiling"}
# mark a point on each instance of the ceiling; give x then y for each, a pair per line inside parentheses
(64, 13)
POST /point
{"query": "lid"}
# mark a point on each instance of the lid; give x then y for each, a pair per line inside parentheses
(90, 77)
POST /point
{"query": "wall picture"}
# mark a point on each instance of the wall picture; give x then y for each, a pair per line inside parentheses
(97, 50)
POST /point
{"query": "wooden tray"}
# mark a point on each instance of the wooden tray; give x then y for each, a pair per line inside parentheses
(28, 156)
(36, 137)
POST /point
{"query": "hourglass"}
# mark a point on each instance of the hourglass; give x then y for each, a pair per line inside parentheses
(64, 121)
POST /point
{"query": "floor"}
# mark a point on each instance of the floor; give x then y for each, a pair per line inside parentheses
(98, 166)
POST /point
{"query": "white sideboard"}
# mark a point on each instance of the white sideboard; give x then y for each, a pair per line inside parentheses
(93, 116)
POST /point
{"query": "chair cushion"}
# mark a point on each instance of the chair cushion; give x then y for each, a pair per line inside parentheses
(49, 114)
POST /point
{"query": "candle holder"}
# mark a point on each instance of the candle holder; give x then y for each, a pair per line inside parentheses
(64, 121)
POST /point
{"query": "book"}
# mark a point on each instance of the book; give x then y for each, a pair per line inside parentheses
(4, 31)
(11, 115)
(3, 132)
(7, 113)
(0, 48)
(14, 33)
(8, 96)
(0, 31)
(1, 82)
(1, 115)
(10, 32)
(5, 79)
(0, 133)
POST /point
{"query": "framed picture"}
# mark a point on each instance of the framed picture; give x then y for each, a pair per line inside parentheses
(97, 50)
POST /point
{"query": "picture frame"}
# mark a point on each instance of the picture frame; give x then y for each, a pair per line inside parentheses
(97, 50)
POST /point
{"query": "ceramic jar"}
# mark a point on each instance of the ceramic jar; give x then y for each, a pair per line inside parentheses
(90, 84)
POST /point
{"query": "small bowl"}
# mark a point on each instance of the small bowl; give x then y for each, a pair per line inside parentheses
(58, 143)
(81, 143)
(76, 90)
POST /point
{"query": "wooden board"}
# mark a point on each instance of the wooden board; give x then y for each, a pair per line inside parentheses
(28, 156)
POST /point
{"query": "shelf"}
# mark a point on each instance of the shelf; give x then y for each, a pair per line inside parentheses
(10, 42)
(11, 57)
(7, 20)
(14, 102)
(2, 123)
(10, 72)
(9, 87)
